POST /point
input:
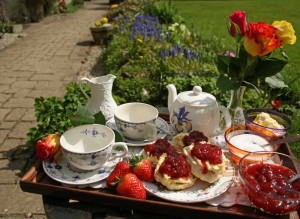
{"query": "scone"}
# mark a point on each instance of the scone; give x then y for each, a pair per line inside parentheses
(207, 161)
(152, 152)
(182, 140)
(174, 172)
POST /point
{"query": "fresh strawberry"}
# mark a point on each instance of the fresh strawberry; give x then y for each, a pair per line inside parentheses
(131, 186)
(142, 168)
(116, 175)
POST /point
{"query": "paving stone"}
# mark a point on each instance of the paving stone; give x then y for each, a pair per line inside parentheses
(29, 115)
(4, 97)
(47, 93)
(16, 114)
(14, 200)
(6, 125)
(7, 80)
(45, 77)
(3, 134)
(21, 129)
(3, 113)
(21, 93)
(11, 144)
(20, 74)
(10, 171)
(20, 102)
(4, 87)
(24, 84)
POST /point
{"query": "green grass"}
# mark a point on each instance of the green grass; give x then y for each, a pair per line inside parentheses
(209, 18)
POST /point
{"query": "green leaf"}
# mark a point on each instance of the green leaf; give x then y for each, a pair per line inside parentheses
(118, 136)
(99, 118)
(225, 83)
(81, 117)
(276, 81)
(223, 63)
(270, 67)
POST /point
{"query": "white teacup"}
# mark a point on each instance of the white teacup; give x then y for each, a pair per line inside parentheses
(88, 147)
(136, 121)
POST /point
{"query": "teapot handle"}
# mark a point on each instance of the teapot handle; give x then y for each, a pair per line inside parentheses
(80, 86)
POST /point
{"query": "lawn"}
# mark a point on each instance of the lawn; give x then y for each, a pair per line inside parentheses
(209, 18)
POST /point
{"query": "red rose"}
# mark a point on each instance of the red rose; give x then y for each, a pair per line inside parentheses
(238, 18)
(42, 150)
(261, 39)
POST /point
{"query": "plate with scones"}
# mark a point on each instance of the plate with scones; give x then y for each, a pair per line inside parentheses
(189, 169)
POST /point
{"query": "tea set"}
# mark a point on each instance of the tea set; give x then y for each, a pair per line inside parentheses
(88, 149)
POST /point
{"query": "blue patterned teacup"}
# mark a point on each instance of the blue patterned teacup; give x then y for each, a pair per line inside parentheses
(89, 147)
(136, 121)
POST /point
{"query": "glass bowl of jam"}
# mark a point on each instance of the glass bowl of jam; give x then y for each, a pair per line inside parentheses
(272, 120)
(270, 182)
(244, 139)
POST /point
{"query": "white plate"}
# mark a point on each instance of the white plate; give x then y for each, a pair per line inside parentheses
(199, 192)
(66, 174)
(159, 122)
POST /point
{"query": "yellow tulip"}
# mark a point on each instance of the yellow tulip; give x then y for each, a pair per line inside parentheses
(285, 32)
(97, 23)
(114, 6)
(104, 20)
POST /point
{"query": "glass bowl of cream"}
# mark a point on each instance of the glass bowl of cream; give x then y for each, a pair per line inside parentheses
(244, 139)
(272, 120)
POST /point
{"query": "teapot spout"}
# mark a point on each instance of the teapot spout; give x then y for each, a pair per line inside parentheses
(172, 96)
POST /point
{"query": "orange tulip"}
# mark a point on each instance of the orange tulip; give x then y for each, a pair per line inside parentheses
(261, 39)
(48, 147)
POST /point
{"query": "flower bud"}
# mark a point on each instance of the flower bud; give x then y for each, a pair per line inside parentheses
(238, 18)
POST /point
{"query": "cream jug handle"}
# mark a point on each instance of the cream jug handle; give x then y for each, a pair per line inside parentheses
(80, 86)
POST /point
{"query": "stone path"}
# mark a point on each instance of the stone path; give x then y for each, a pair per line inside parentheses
(41, 64)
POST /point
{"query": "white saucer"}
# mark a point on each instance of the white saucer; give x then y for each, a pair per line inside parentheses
(159, 122)
(66, 174)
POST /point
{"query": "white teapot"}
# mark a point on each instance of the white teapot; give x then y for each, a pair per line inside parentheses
(196, 110)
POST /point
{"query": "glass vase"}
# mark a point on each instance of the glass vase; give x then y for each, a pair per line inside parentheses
(235, 106)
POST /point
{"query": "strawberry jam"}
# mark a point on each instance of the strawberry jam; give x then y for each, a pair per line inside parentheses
(175, 166)
(270, 190)
(194, 136)
(159, 147)
(207, 152)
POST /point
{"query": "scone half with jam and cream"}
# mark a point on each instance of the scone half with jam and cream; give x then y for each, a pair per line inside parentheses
(174, 172)
(152, 152)
(182, 140)
(207, 161)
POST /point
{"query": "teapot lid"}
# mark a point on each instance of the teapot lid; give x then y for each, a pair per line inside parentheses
(196, 97)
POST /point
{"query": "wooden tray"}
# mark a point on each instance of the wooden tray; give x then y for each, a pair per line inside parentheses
(36, 181)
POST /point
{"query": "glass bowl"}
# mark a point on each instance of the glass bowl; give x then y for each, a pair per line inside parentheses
(264, 178)
(282, 119)
(243, 139)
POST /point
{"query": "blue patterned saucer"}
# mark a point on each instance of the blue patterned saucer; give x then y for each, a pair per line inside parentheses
(160, 134)
(64, 173)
